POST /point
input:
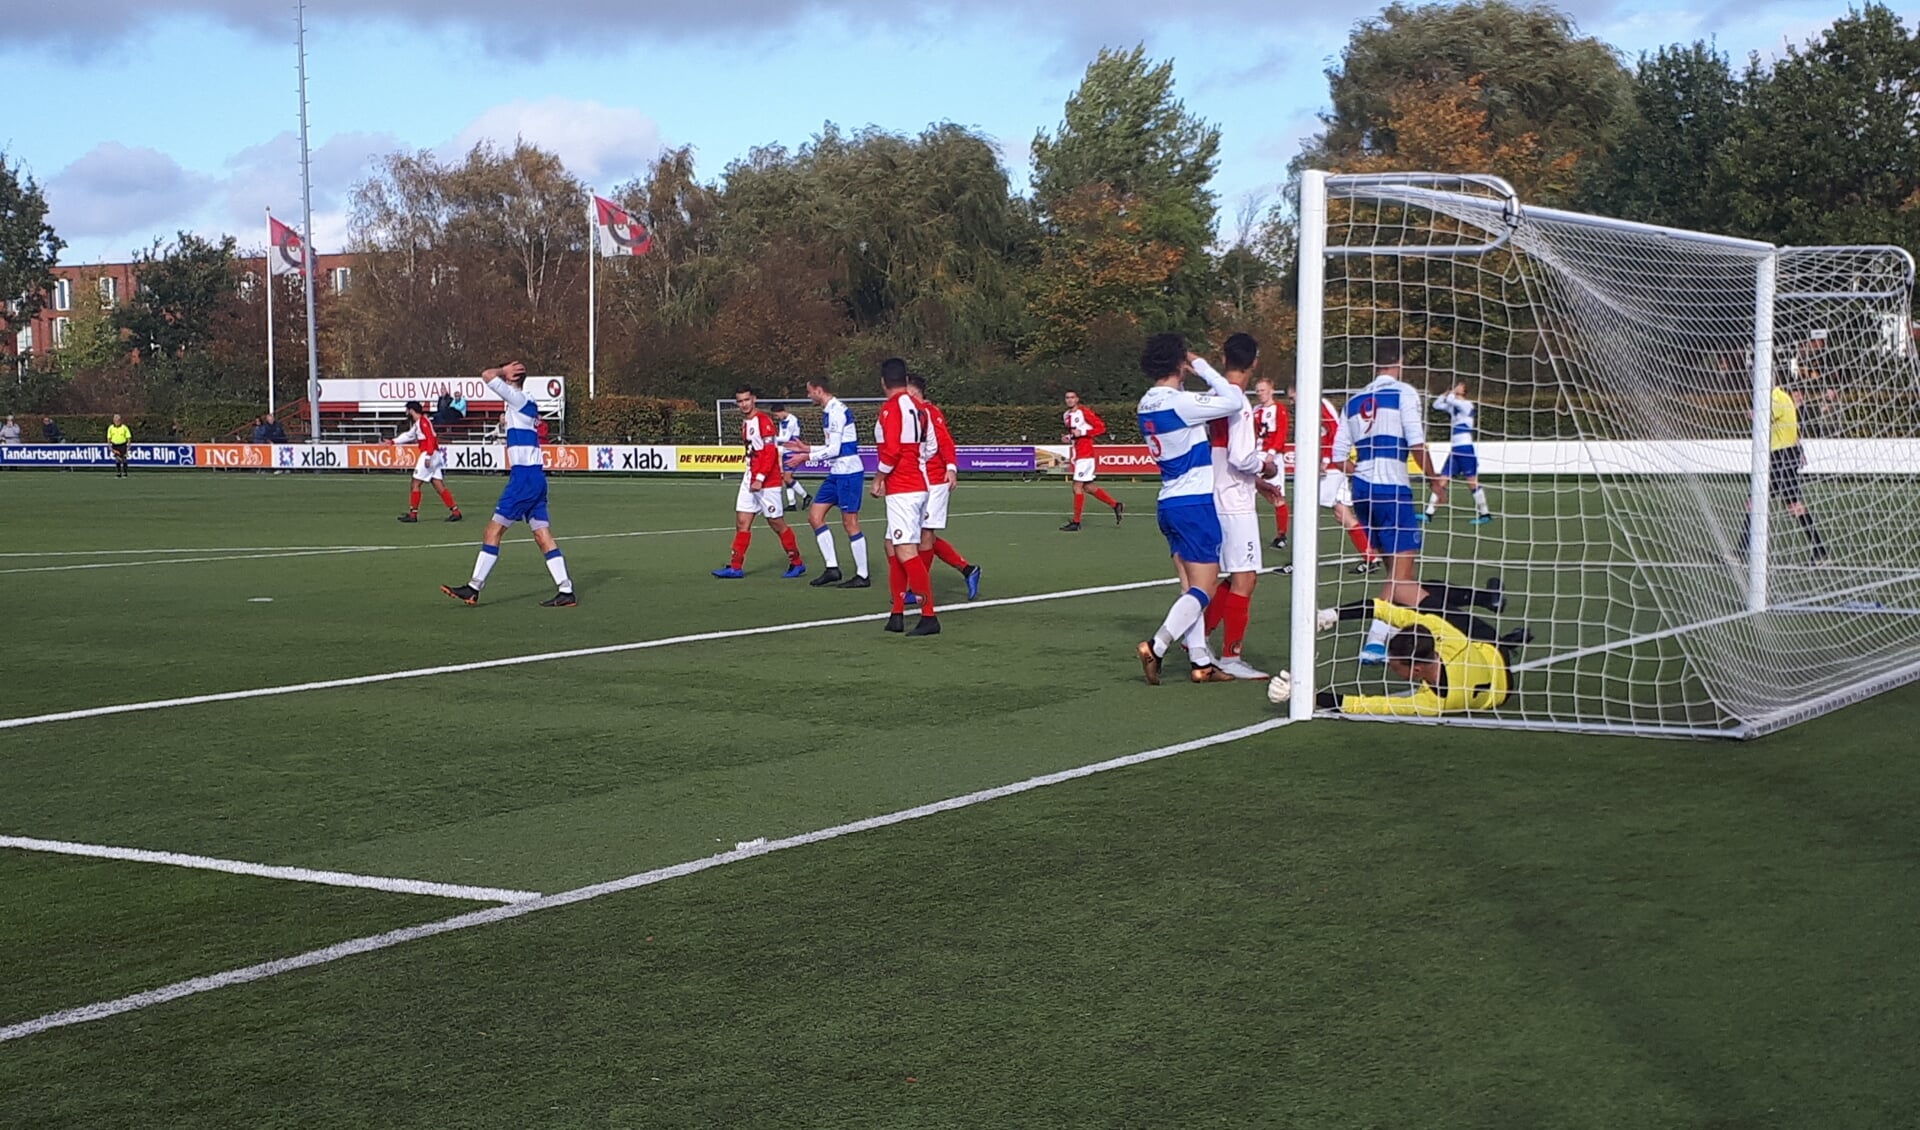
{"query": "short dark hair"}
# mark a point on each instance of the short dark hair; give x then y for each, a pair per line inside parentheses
(893, 372)
(1163, 355)
(1415, 644)
(746, 390)
(412, 406)
(917, 381)
(1241, 351)
(824, 384)
(1386, 352)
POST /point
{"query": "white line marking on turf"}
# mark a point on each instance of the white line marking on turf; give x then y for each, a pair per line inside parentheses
(268, 871)
(101, 1010)
(541, 657)
(262, 553)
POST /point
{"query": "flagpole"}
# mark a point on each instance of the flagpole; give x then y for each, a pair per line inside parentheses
(308, 260)
(269, 283)
(593, 302)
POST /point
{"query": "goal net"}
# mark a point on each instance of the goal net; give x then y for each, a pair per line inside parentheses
(1684, 563)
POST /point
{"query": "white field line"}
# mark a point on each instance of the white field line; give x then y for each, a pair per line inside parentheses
(257, 553)
(749, 850)
(266, 871)
(540, 657)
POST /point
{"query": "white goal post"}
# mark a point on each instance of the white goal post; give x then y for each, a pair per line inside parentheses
(1683, 568)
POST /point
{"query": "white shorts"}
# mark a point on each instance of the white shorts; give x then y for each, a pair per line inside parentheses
(1239, 543)
(765, 501)
(937, 496)
(906, 517)
(1083, 470)
(1279, 478)
(429, 467)
(1334, 488)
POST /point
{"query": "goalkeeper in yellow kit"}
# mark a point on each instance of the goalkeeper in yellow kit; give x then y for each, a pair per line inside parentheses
(1456, 661)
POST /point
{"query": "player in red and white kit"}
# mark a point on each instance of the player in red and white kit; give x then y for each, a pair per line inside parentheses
(1336, 495)
(943, 472)
(1239, 466)
(1272, 428)
(760, 488)
(1082, 426)
(906, 445)
(430, 467)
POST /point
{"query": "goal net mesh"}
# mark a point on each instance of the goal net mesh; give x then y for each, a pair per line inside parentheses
(1613, 370)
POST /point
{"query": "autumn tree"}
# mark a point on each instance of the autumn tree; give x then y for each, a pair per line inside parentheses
(1123, 182)
(1536, 83)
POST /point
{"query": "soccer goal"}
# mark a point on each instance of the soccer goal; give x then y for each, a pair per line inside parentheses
(1678, 575)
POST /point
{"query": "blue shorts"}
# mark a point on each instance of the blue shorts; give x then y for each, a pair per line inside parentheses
(1193, 531)
(525, 499)
(844, 491)
(1461, 463)
(1386, 510)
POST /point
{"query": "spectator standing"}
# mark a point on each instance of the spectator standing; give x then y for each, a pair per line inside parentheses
(10, 433)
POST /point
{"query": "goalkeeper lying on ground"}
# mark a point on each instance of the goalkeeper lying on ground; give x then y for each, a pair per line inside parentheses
(1457, 661)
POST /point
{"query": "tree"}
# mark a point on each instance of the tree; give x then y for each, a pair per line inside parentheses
(1535, 77)
(1446, 127)
(1827, 148)
(1666, 168)
(1129, 162)
(1097, 263)
(180, 287)
(28, 248)
(462, 264)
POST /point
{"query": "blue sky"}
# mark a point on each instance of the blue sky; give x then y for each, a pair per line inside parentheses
(150, 116)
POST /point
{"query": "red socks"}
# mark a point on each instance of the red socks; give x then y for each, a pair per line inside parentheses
(1239, 610)
(446, 495)
(1280, 513)
(1358, 535)
(943, 549)
(740, 542)
(1102, 496)
(413, 499)
(792, 547)
(1079, 505)
(1217, 607)
(897, 584)
(920, 581)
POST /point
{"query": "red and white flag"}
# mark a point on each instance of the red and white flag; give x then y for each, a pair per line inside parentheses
(284, 256)
(617, 232)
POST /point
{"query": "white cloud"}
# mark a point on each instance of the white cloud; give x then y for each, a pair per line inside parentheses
(601, 144)
(114, 189)
(268, 176)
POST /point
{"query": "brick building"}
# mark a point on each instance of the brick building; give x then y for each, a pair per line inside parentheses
(114, 283)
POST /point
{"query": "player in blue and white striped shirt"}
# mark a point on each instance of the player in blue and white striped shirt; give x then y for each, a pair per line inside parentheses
(525, 498)
(1462, 462)
(1174, 422)
(1382, 426)
(845, 484)
(787, 430)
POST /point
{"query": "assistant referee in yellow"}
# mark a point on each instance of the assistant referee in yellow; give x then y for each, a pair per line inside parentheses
(1785, 462)
(118, 437)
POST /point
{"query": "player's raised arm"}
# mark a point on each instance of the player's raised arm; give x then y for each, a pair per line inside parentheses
(504, 382)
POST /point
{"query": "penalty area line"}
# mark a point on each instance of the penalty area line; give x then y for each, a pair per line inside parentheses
(751, 849)
(269, 871)
(540, 657)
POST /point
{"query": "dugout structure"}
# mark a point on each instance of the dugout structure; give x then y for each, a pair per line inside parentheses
(1625, 377)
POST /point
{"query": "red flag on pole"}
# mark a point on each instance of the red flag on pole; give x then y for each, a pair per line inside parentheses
(617, 232)
(285, 257)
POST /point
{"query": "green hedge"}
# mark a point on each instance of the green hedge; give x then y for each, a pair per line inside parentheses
(639, 419)
(193, 422)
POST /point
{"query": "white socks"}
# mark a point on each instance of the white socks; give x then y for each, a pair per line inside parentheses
(1480, 500)
(483, 565)
(1185, 613)
(824, 535)
(858, 543)
(557, 566)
